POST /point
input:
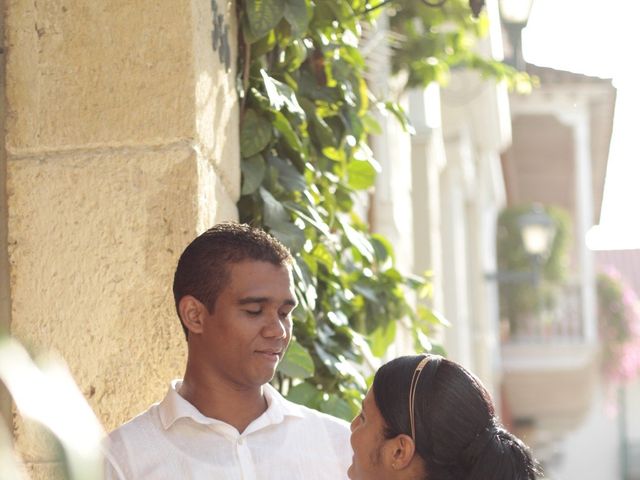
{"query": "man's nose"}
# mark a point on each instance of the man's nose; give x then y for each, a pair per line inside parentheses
(276, 326)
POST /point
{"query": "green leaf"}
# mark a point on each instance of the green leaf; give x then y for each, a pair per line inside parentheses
(432, 317)
(296, 53)
(304, 394)
(421, 341)
(402, 117)
(297, 362)
(358, 240)
(381, 338)
(281, 95)
(382, 248)
(297, 13)
(322, 254)
(284, 127)
(334, 154)
(274, 212)
(253, 169)
(289, 234)
(264, 15)
(371, 124)
(288, 175)
(312, 218)
(338, 407)
(361, 174)
(255, 134)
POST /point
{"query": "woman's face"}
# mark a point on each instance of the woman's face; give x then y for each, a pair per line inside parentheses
(367, 440)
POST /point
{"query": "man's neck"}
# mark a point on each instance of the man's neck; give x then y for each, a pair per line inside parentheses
(233, 405)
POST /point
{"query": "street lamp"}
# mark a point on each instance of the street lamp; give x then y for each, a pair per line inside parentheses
(537, 231)
(515, 15)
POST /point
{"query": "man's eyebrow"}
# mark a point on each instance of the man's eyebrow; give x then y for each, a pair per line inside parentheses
(247, 300)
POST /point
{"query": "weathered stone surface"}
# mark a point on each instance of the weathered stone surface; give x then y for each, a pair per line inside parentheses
(103, 74)
(122, 143)
(93, 243)
(94, 73)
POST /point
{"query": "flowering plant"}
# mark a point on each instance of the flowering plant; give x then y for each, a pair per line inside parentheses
(619, 322)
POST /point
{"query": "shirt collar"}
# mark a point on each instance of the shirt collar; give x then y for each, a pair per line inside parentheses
(174, 407)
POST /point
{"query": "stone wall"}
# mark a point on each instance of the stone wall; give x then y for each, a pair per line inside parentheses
(122, 145)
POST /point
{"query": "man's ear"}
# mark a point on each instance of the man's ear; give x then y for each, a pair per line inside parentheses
(400, 451)
(192, 312)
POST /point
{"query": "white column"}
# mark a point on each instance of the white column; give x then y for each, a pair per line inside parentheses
(579, 122)
(428, 160)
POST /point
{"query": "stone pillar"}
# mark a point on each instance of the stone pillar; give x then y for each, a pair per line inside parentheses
(122, 145)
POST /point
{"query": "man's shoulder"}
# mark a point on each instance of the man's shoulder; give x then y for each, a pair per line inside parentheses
(141, 426)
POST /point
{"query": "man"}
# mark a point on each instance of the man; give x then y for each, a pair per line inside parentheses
(234, 296)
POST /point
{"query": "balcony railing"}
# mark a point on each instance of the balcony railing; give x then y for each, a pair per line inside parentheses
(561, 324)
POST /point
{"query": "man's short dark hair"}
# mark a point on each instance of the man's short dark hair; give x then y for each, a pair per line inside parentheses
(202, 270)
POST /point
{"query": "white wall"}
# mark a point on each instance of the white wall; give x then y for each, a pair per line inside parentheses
(592, 451)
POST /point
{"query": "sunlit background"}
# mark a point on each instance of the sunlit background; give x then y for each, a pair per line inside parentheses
(597, 39)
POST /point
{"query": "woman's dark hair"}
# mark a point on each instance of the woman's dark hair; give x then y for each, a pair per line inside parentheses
(457, 433)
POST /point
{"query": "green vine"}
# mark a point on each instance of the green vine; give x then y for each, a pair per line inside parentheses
(430, 42)
(306, 116)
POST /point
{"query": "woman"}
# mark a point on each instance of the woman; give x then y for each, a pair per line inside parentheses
(427, 418)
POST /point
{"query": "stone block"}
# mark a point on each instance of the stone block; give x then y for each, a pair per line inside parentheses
(85, 75)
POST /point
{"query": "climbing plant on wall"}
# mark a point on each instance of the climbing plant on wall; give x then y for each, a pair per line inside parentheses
(306, 116)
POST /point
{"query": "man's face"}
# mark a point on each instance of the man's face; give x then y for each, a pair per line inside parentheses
(248, 331)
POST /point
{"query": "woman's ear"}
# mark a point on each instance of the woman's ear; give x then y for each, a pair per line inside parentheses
(192, 313)
(401, 451)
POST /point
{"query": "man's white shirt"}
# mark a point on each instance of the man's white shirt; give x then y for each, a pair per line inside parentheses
(173, 440)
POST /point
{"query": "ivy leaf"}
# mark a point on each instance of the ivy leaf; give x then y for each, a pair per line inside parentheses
(338, 407)
(371, 124)
(274, 212)
(281, 95)
(297, 362)
(421, 341)
(292, 236)
(358, 240)
(264, 15)
(322, 131)
(322, 254)
(312, 218)
(288, 175)
(284, 127)
(334, 154)
(382, 248)
(361, 174)
(253, 169)
(381, 338)
(296, 12)
(255, 134)
(397, 111)
(434, 317)
(304, 394)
